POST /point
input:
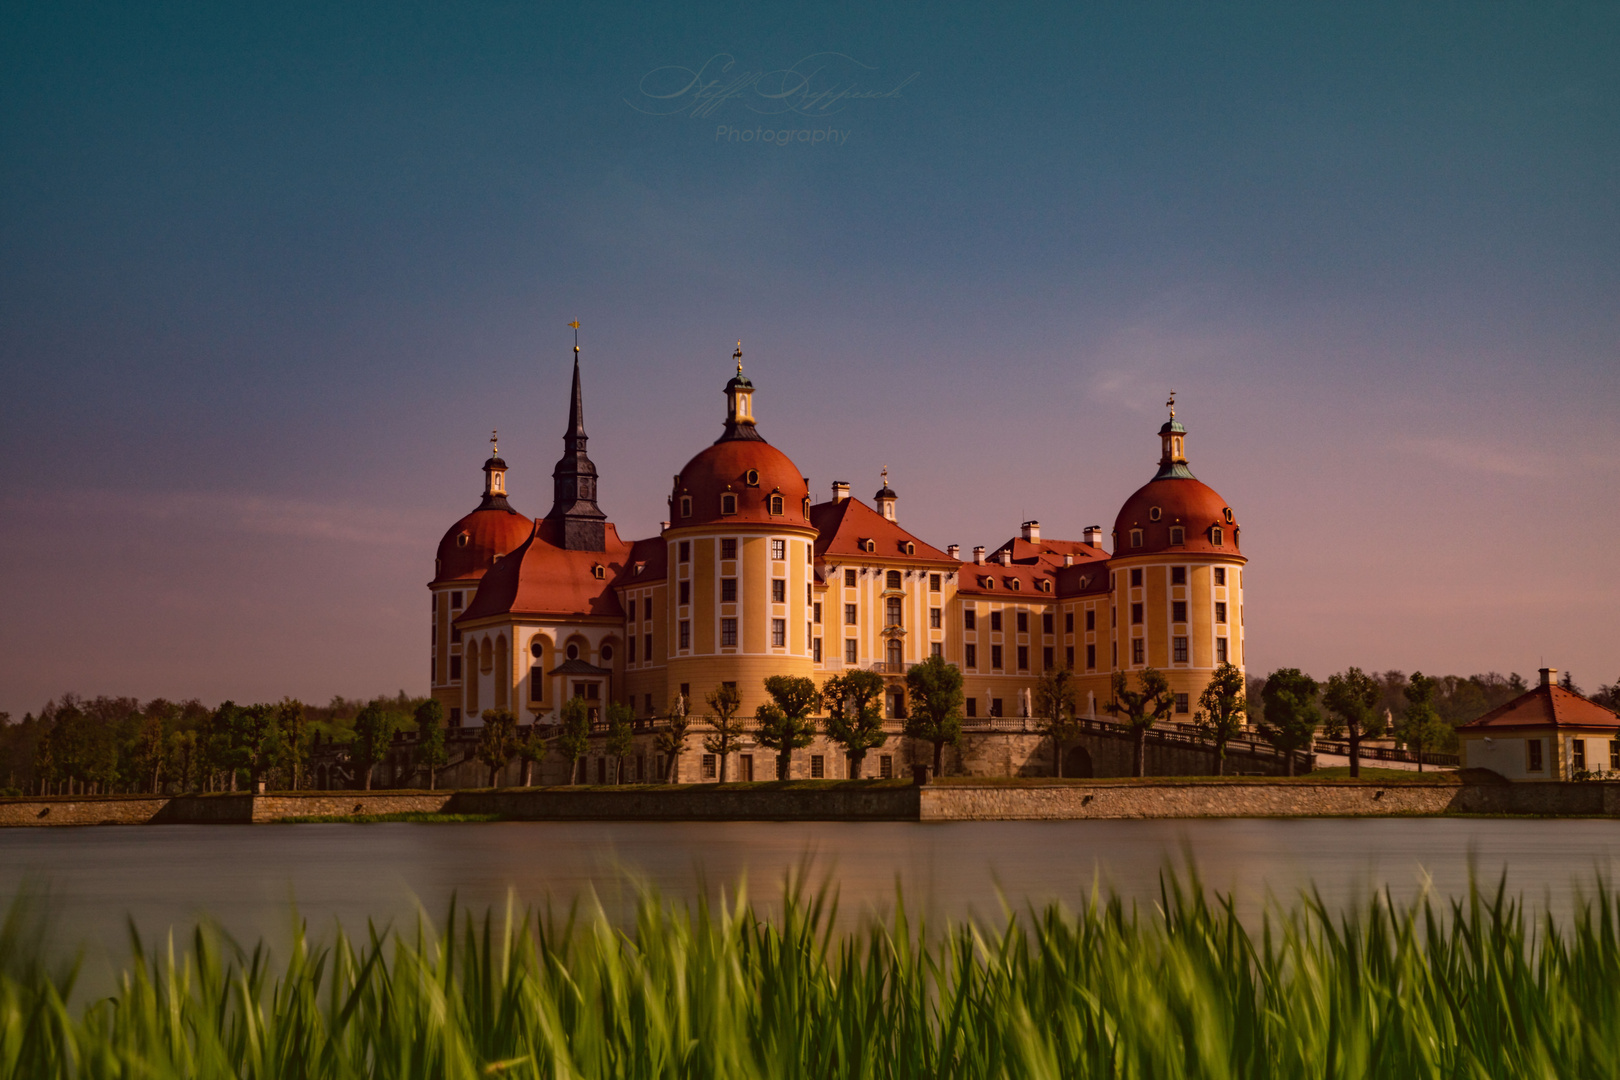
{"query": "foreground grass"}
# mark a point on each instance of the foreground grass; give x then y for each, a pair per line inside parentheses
(1470, 988)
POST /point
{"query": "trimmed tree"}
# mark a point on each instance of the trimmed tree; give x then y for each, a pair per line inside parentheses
(1353, 699)
(1289, 716)
(1421, 724)
(934, 712)
(293, 723)
(532, 748)
(620, 737)
(373, 730)
(785, 723)
(1054, 706)
(854, 715)
(672, 740)
(574, 733)
(728, 728)
(1221, 708)
(1140, 709)
(497, 741)
(430, 752)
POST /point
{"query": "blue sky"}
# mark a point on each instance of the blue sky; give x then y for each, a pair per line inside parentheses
(269, 275)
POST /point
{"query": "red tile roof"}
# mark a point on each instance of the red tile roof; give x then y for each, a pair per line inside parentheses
(1035, 562)
(545, 580)
(1545, 707)
(845, 524)
(647, 562)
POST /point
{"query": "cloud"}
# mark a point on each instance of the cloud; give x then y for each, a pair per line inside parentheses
(1476, 457)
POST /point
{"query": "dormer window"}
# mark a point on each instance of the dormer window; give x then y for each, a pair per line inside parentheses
(869, 546)
(1015, 585)
(598, 571)
(1216, 535)
(776, 504)
(1178, 535)
(686, 506)
(807, 508)
(1045, 585)
(462, 540)
(909, 548)
(1136, 538)
(751, 478)
(728, 503)
(988, 582)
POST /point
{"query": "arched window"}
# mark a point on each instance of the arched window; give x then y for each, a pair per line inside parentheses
(1015, 584)
(1215, 535)
(1136, 538)
(911, 549)
(486, 658)
(728, 503)
(686, 506)
(1178, 535)
(598, 571)
(894, 579)
(776, 504)
(869, 546)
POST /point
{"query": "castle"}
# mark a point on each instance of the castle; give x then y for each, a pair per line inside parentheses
(750, 577)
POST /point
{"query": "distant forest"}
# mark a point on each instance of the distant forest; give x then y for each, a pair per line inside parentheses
(117, 745)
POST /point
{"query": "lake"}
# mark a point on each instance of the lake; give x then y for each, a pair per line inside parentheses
(248, 877)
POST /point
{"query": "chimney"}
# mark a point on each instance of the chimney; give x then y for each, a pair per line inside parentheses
(1068, 558)
(954, 551)
(663, 526)
(1094, 535)
(1549, 676)
(1006, 556)
(978, 554)
(840, 490)
(1031, 531)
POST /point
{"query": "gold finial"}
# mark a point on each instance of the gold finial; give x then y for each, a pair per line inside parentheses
(737, 356)
(1171, 404)
(575, 325)
(885, 476)
(494, 447)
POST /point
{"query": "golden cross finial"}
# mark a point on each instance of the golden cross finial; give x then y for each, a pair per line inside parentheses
(737, 356)
(1171, 404)
(575, 325)
(494, 447)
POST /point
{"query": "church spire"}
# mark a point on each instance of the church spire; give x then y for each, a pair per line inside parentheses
(573, 506)
(739, 406)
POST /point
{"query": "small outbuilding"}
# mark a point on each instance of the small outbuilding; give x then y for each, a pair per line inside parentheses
(1548, 733)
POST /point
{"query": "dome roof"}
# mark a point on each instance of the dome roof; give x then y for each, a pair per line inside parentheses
(1176, 502)
(751, 469)
(470, 546)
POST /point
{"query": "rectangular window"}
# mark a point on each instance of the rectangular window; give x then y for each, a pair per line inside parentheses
(1136, 578)
(630, 644)
(1068, 622)
(455, 599)
(815, 614)
(1220, 575)
(1113, 616)
(455, 667)
(995, 622)
(728, 548)
(1023, 658)
(686, 634)
(849, 579)
(1068, 657)
(455, 635)
(1220, 611)
(1091, 658)
(728, 590)
(1046, 622)
(1534, 747)
(646, 641)
(641, 768)
(1114, 654)
(971, 707)
(995, 657)
(647, 705)
(1220, 650)
(778, 549)
(685, 593)
(710, 771)
(686, 551)
(1178, 649)
(818, 767)
(809, 593)
(1614, 755)
(995, 706)
(1182, 703)
(849, 615)
(778, 591)
(970, 655)
(455, 717)
(935, 618)
(1046, 658)
(1577, 754)
(1136, 614)
(1091, 619)
(936, 648)
(892, 609)
(537, 683)
(886, 766)
(1178, 611)
(1178, 575)
(1023, 622)
(778, 633)
(815, 649)
(1138, 651)
(646, 608)
(970, 619)
(933, 582)
(851, 651)
(728, 631)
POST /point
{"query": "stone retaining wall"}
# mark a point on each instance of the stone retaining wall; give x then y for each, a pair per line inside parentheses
(701, 803)
(81, 810)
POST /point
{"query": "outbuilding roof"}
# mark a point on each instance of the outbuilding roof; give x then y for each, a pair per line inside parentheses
(1546, 706)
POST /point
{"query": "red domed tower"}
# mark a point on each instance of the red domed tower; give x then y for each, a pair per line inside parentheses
(469, 548)
(740, 547)
(1177, 576)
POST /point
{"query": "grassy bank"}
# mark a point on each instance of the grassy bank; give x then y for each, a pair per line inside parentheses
(1472, 988)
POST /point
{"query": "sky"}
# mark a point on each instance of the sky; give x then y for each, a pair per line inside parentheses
(270, 274)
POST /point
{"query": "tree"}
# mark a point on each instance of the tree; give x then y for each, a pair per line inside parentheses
(430, 752)
(532, 747)
(1608, 696)
(785, 723)
(1141, 709)
(1221, 708)
(293, 722)
(1054, 705)
(934, 690)
(183, 756)
(497, 741)
(854, 715)
(620, 737)
(672, 740)
(1420, 723)
(1290, 716)
(728, 728)
(148, 751)
(1354, 702)
(574, 734)
(373, 731)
